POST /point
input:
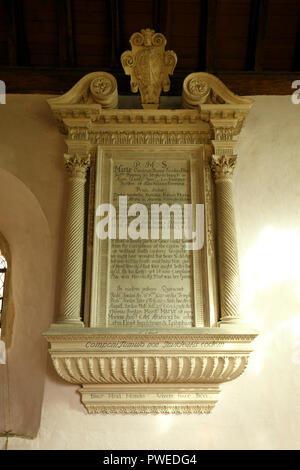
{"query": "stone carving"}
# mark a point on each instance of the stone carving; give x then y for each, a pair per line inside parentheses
(150, 137)
(104, 90)
(203, 88)
(155, 377)
(70, 313)
(77, 164)
(78, 133)
(223, 166)
(154, 409)
(209, 205)
(224, 133)
(149, 66)
(105, 341)
(150, 369)
(96, 87)
(207, 368)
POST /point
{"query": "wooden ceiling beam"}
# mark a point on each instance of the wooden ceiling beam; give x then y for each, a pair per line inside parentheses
(203, 35)
(296, 60)
(156, 15)
(211, 12)
(252, 34)
(114, 11)
(66, 45)
(161, 17)
(17, 40)
(59, 80)
(257, 33)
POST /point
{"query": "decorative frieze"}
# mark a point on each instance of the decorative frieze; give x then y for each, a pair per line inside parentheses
(78, 133)
(148, 137)
(224, 133)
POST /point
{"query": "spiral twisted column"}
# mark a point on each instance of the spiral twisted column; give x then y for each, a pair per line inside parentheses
(223, 163)
(70, 313)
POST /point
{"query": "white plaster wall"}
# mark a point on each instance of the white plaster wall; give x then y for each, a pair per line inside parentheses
(259, 410)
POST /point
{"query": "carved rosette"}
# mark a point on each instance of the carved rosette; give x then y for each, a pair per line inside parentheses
(104, 90)
(149, 66)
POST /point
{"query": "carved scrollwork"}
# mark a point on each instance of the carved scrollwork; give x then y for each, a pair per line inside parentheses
(104, 90)
(96, 87)
(137, 39)
(198, 90)
(203, 88)
(149, 66)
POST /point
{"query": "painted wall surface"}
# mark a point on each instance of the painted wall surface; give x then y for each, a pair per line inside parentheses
(259, 410)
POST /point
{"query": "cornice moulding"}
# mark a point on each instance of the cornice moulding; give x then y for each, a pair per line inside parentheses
(149, 373)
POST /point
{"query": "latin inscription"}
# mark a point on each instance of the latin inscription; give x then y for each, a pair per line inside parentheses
(150, 280)
(143, 396)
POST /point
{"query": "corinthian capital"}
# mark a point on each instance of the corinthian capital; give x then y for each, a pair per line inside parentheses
(77, 165)
(223, 166)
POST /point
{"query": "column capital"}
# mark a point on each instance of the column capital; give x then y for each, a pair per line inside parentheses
(225, 128)
(223, 160)
(223, 167)
(77, 164)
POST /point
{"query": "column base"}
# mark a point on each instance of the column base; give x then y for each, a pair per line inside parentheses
(231, 322)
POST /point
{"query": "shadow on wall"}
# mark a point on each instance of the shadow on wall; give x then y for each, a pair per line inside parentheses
(26, 229)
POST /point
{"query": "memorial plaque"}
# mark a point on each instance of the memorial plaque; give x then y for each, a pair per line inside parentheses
(149, 320)
(149, 280)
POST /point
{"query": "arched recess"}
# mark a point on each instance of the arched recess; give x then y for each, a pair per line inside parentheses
(7, 311)
(26, 229)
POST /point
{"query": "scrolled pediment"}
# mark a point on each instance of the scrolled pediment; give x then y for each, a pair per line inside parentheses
(203, 88)
(94, 88)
